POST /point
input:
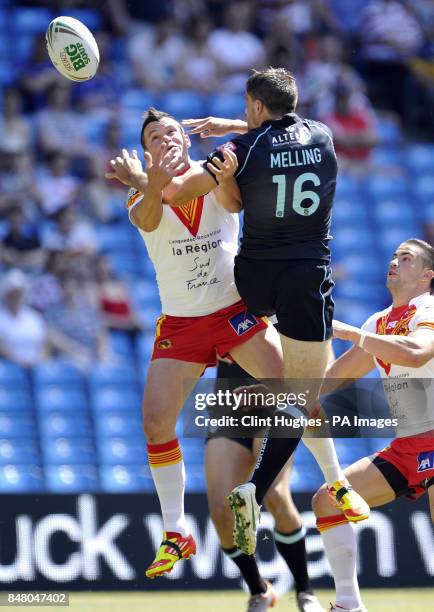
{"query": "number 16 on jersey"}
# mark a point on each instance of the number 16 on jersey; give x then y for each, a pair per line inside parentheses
(298, 194)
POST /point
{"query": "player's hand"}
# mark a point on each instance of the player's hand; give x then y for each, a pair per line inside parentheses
(224, 170)
(127, 169)
(164, 166)
(342, 331)
(250, 395)
(209, 126)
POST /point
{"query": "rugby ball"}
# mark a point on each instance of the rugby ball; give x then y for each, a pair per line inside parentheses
(72, 49)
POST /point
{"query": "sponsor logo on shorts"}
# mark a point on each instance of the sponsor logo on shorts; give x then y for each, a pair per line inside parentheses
(243, 322)
(425, 461)
(164, 344)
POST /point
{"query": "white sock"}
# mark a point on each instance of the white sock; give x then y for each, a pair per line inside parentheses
(324, 452)
(168, 472)
(340, 545)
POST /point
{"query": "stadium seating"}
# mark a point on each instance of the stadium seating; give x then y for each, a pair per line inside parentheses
(122, 450)
(59, 451)
(15, 401)
(63, 400)
(107, 399)
(19, 451)
(126, 479)
(56, 424)
(21, 478)
(57, 372)
(72, 478)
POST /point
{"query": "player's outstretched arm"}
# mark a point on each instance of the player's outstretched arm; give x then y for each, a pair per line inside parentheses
(412, 351)
(215, 126)
(353, 364)
(194, 183)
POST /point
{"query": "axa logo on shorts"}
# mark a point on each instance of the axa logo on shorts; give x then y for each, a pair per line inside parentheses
(425, 461)
(242, 322)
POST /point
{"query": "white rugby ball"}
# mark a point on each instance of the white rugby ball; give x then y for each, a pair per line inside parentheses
(72, 49)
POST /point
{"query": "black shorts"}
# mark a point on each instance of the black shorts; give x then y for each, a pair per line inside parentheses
(297, 291)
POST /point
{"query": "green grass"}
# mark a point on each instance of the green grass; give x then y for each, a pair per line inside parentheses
(386, 600)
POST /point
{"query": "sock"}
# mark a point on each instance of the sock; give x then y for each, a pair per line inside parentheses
(168, 472)
(340, 545)
(324, 452)
(273, 455)
(292, 547)
(248, 568)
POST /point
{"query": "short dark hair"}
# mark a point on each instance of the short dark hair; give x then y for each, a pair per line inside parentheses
(427, 255)
(275, 88)
(152, 114)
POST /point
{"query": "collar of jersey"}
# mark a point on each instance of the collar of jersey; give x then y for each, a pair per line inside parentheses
(288, 119)
(415, 301)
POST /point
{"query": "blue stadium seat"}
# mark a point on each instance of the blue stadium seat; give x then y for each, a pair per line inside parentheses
(71, 478)
(303, 481)
(16, 401)
(145, 346)
(428, 213)
(387, 156)
(114, 239)
(359, 291)
(350, 211)
(347, 187)
(108, 399)
(138, 100)
(391, 238)
(121, 345)
(23, 46)
(121, 450)
(56, 425)
(183, 104)
(125, 265)
(355, 312)
(195, 479)
(12, 426)
(13, 375)
(19, 450)
(30, 20)
(423, 187)
(57, 372)
(350, 450)
(21, 478)
(92, 19)
(382, 187)
(193, 450)
(227, 105)
(103, 375)
(94, 126)
(393, 212)
(69, 451)
(56, 398)
(126, 479)
(364, 268)
(388, 131)
(420, 158)
(355, 240)
(143, 290)
(116, 424)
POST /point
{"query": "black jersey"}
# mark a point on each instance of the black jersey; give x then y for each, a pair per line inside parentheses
(287, 177)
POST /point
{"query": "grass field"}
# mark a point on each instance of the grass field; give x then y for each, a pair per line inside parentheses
(393, 600)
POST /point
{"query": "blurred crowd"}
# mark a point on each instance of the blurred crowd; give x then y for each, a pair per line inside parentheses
(354, 60)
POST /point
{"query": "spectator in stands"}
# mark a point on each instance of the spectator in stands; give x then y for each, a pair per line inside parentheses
(164, 47)
(353, 130)
(38, 76)
(71, 234)
(199, 70)
(21, 246)
(283, 48)
(115, 301)
(234, 47)
(23, 331)
(103, 201)
(390, 34)
(304, 17)
(14, 127)
(56, 187)
(16, 176)
(46, 289)
(59, 126)
(77, 318)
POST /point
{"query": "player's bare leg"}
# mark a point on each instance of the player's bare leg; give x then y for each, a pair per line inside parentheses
(165, 393)
(338, 534)
(238, 462)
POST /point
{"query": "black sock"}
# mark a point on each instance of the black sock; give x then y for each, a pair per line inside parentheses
(248, 568)
(292, 547)
(272, 457)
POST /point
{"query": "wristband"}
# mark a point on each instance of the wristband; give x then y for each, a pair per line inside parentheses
(362, 339)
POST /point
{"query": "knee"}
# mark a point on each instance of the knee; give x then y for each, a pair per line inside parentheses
(276, 499)
(221, 515)
(154, 425)
(320, 501)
